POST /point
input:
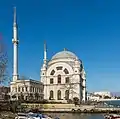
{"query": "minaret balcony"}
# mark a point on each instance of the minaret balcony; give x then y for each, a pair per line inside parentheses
(15, 41)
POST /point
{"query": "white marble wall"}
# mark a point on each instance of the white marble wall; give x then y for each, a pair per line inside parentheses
(74, 76)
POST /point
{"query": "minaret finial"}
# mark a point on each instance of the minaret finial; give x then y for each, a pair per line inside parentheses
(14, 15)
(65, 49)
(45, 46)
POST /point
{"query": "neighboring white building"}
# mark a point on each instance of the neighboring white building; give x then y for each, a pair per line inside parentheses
(97, 96)
(26, 88)
(29, 89)
(92, 97)
(103, 93)
(63, 77)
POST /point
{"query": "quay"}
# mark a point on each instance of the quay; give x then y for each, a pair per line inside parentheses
(70, 108)
(80, 110)
(60, 108)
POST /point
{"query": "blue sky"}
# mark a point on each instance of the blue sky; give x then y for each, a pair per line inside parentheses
(89, 28)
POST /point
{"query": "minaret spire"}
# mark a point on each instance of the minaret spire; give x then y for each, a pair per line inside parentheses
(14, 15)
(45, 55)
(45, 51)
(15, 48)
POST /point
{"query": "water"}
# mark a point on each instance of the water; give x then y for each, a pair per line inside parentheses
(113, 102)
(76, 116)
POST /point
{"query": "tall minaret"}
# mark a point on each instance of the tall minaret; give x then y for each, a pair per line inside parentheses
(15, 48)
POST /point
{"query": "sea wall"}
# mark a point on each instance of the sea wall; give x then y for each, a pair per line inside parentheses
(69, 108)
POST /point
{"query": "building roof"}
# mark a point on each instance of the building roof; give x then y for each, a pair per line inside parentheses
(64, 54)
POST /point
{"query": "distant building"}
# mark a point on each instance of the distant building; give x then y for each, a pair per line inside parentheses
(63, 77)
(96, 96)
(103, 93)
(92, 97)
(26, 89)
(3, 92)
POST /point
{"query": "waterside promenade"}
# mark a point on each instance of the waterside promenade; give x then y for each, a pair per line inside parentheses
(70, 108)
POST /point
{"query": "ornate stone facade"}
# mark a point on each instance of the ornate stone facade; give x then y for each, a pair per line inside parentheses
(63, 77)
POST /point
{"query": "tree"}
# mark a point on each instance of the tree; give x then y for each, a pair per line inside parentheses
(31, 96)
(3, 64)
(6, 96)
(106, 97)
(69, 87)
(21, 97)
(23, 78)
(14, 96)
(75, 100)
(36, 96)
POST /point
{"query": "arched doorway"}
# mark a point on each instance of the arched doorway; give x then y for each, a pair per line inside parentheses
(59, 95)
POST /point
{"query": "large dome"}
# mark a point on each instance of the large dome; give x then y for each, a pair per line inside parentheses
(64, 54)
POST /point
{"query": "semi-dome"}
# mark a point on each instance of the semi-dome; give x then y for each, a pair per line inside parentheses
(64, 54)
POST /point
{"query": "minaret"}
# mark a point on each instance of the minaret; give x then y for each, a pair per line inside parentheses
(15, 48)
(45, 54)
(44, 70)
(44, 66)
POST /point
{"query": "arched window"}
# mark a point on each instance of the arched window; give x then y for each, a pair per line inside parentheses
(67, 94)
(59, 95)
(67, 80)
(52, 72)
(59, 78)
(51, 95)
(66, 71)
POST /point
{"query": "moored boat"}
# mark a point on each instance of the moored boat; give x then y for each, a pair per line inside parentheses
(112, 116)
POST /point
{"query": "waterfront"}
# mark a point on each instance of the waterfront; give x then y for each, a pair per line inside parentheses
(8, 115)
(76, 116)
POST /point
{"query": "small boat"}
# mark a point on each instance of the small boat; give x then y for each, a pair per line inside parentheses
(38, 116)
(112, 116)
(31, 116)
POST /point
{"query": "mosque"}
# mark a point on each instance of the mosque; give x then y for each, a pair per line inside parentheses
(62, 78)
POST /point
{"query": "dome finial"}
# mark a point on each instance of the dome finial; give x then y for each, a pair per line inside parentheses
(65, 49)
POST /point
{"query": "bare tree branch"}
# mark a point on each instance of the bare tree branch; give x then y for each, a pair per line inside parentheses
(3, 64)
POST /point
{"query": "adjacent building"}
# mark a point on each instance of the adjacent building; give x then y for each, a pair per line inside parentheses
(63, 77)
(26, 90)
(4, 93)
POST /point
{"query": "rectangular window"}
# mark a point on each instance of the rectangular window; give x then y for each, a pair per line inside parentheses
(33, 89)
(67, 80)
(15, 89)
(51, 81)
(59, 68)
(30, 89)
(26, 89)
(18, 89)
(59, 80)
(22, 89)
